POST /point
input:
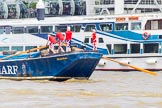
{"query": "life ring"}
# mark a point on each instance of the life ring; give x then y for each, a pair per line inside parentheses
(145, 35)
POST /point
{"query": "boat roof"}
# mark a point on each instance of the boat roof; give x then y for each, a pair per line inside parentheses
(74, 19)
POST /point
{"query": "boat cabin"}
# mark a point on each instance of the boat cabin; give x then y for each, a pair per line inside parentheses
(115, 35)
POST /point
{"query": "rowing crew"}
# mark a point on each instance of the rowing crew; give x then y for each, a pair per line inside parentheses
(67, 40)
(60, 41)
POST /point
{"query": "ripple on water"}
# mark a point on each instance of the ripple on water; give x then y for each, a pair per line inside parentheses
(103, 89)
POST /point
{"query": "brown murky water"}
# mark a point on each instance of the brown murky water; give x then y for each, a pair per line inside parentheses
(103, 90)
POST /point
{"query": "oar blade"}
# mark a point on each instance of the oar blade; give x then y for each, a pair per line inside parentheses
(134, 67)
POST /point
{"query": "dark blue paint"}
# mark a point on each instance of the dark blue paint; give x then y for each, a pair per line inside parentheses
(75, 64)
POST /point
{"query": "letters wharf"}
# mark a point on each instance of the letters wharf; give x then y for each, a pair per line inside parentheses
(8, 69)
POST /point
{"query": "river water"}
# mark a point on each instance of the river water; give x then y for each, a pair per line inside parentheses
(103, 90)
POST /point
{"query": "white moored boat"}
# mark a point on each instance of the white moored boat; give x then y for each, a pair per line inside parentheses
(132, 39)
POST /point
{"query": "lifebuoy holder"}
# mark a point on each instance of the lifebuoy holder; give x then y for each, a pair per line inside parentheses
(145, 35)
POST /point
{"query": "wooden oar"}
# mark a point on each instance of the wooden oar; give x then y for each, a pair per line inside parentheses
(23, 52)
(136, 68)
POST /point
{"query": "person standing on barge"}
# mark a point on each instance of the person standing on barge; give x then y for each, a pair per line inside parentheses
(94, 39)
(51, 42)
(60, 38)
(68, 38)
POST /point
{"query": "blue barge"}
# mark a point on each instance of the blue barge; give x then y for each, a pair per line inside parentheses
(62, 66)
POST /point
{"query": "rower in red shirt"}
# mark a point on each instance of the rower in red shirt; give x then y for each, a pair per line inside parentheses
(60, 41)
(68, 38)
(51, 42)
(60, 36)
(94, 39)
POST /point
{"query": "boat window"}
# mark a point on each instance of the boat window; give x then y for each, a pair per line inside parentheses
(61, 28)
(136, 26)
(24, 10)
(1, 9)
(106, 27)
(154, 25)
(18, 30)
(86, 40)
(120, 48)
(134, 48)
(46, 29)
(17, 48)
(53, 7)
(150, 48)
(121, 26)
(160, 36)
(11, 11)
(160, 24)
(109, 48)
(32, 29)
(100, 40)
(75, 28)
(30, 47)
(7, 30)
(148, 25)
(1, 30)
(4, 48)
(89, 28)
(67, 7)
(78, 7)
